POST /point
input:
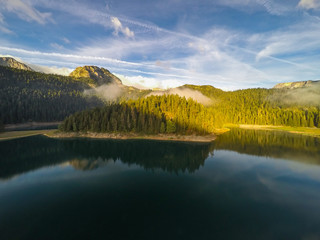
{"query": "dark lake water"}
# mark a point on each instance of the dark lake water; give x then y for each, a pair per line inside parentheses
(246, 185)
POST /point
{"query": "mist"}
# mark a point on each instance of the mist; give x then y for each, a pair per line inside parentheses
(299, 96)
(185, 92)
(108, 92)
(51, 70)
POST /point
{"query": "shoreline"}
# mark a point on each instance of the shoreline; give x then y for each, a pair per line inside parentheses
(307, 131)
(6, 136)
(30, 126)
(132, 136)
(54, 133)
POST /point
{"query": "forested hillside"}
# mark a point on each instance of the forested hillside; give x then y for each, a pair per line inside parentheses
(152, 115)
(174, 114)
(265, 106)
(33, 96)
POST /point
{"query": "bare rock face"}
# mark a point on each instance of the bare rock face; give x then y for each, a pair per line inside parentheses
(11, 62)
(291, 85)
(100, 76)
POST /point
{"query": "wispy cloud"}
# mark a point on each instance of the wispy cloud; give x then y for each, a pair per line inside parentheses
(309, 4)
(287, 43)
(69, 56)
(104, 18)
(273, 7)
(25, 11)
(119, 28)
(65, 40)
(56, 46)
(3, 27)
(153, 56)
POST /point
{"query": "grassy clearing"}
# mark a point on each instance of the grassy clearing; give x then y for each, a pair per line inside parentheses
(314, 132)
(19, 134)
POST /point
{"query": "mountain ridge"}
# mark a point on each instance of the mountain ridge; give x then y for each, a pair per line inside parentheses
(99, 76)
(297, 84)
(11, 62)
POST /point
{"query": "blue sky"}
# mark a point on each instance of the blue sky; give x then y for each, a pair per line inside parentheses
(230, 44)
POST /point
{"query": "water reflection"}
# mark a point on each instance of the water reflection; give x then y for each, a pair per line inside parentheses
(274, 144)
(234, 196)
(26, 154)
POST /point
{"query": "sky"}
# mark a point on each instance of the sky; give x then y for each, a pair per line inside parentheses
(229, 44)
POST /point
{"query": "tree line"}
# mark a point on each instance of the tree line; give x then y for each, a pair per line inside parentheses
(32, 96)
(152, 115)
(260, 106)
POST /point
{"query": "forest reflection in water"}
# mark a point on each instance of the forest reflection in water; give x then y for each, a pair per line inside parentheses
(26, 154)
(238, 187)
(274, 144)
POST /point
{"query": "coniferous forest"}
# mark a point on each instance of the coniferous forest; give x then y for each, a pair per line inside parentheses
(32, 96)
(264, 106)
(155, 114)
(173, 114)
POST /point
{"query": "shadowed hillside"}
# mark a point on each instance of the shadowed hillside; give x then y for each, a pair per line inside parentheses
(33, 96)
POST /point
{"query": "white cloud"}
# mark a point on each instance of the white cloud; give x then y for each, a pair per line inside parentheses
(109, 92)
(25, 11)
(148, 82)
(84, 11)
(185, 92)
(51, 70)
(309, 4)
(155, 57)
(288, 42)
(119, 28)
(73, 57)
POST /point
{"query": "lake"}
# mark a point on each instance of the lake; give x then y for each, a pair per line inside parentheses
(246, 185)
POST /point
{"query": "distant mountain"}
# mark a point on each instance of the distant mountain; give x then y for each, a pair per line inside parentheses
(291, 85)
(98, 76)
(11, 62)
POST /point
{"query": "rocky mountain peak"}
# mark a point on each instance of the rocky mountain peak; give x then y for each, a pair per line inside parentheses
(292, 85)
(100, 76)
(11, 62)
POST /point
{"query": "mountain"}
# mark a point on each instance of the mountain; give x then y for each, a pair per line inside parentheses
(291, 85)
(106, 85)
(11, 62)
(32, 96)
(96, 76)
